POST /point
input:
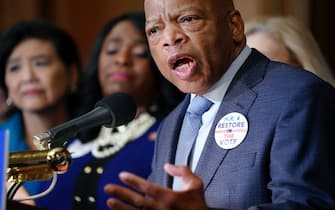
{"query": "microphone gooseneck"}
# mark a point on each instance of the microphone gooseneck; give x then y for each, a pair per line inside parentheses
(111, 111)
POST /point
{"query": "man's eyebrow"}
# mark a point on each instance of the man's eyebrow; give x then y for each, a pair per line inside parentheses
(175, 12)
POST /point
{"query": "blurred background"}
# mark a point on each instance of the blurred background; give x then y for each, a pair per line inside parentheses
(83, 18)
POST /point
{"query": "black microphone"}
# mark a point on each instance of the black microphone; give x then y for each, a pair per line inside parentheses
(111, 111)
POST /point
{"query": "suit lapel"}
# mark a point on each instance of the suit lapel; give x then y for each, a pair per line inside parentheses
(239, 98)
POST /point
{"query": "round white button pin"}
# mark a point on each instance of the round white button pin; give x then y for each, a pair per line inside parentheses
(231, 130)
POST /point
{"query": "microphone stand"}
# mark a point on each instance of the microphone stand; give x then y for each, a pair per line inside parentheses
(35, 165)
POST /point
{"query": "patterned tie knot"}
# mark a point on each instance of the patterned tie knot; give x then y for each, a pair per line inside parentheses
(199, 105)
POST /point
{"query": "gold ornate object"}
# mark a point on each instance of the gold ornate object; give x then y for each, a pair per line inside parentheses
(27, 157)
(29, 173)
(59, 159)
(37, 165)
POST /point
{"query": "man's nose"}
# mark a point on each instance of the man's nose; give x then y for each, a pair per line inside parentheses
(173, 36)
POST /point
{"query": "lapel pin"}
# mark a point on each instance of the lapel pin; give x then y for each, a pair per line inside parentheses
(231, 130)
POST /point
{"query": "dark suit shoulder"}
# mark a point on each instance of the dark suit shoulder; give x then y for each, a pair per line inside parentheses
(279, 77)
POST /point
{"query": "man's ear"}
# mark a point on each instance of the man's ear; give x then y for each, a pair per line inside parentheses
(236, 26)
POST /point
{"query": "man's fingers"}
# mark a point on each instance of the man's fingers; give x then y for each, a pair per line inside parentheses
(155, 197)
(146, 201)
(126, 195)
(116, 204)
(188, 177)
(177, 170)
(141, 184)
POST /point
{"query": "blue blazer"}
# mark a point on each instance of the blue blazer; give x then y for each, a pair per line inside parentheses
(286, 160)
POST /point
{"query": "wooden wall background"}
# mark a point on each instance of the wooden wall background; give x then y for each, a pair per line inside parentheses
(83, 18)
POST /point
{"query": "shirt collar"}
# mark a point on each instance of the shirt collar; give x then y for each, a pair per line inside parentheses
(219, 89)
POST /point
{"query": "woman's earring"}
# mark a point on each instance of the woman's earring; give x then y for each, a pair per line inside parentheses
(9, 101)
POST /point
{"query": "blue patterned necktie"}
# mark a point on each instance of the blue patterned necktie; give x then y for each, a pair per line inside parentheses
(189, 133)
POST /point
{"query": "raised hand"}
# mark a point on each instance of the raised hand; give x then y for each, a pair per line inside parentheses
(150, 196)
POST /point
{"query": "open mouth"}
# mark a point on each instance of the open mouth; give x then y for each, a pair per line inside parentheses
(182, 66)
(180, 63)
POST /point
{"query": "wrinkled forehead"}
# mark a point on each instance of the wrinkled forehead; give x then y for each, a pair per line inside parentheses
(167, 7)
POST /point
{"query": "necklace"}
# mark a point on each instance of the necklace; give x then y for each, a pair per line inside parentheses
(112, 140)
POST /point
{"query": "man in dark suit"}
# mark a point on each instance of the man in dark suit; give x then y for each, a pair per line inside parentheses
(265, 142)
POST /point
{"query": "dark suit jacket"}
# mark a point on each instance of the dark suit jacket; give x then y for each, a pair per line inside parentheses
(287, 158)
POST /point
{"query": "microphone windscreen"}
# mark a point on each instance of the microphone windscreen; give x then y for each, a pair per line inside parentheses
(122, 107)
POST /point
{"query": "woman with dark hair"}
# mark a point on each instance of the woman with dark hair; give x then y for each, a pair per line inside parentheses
(120, 62)
(39, 70)
(5, 110)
